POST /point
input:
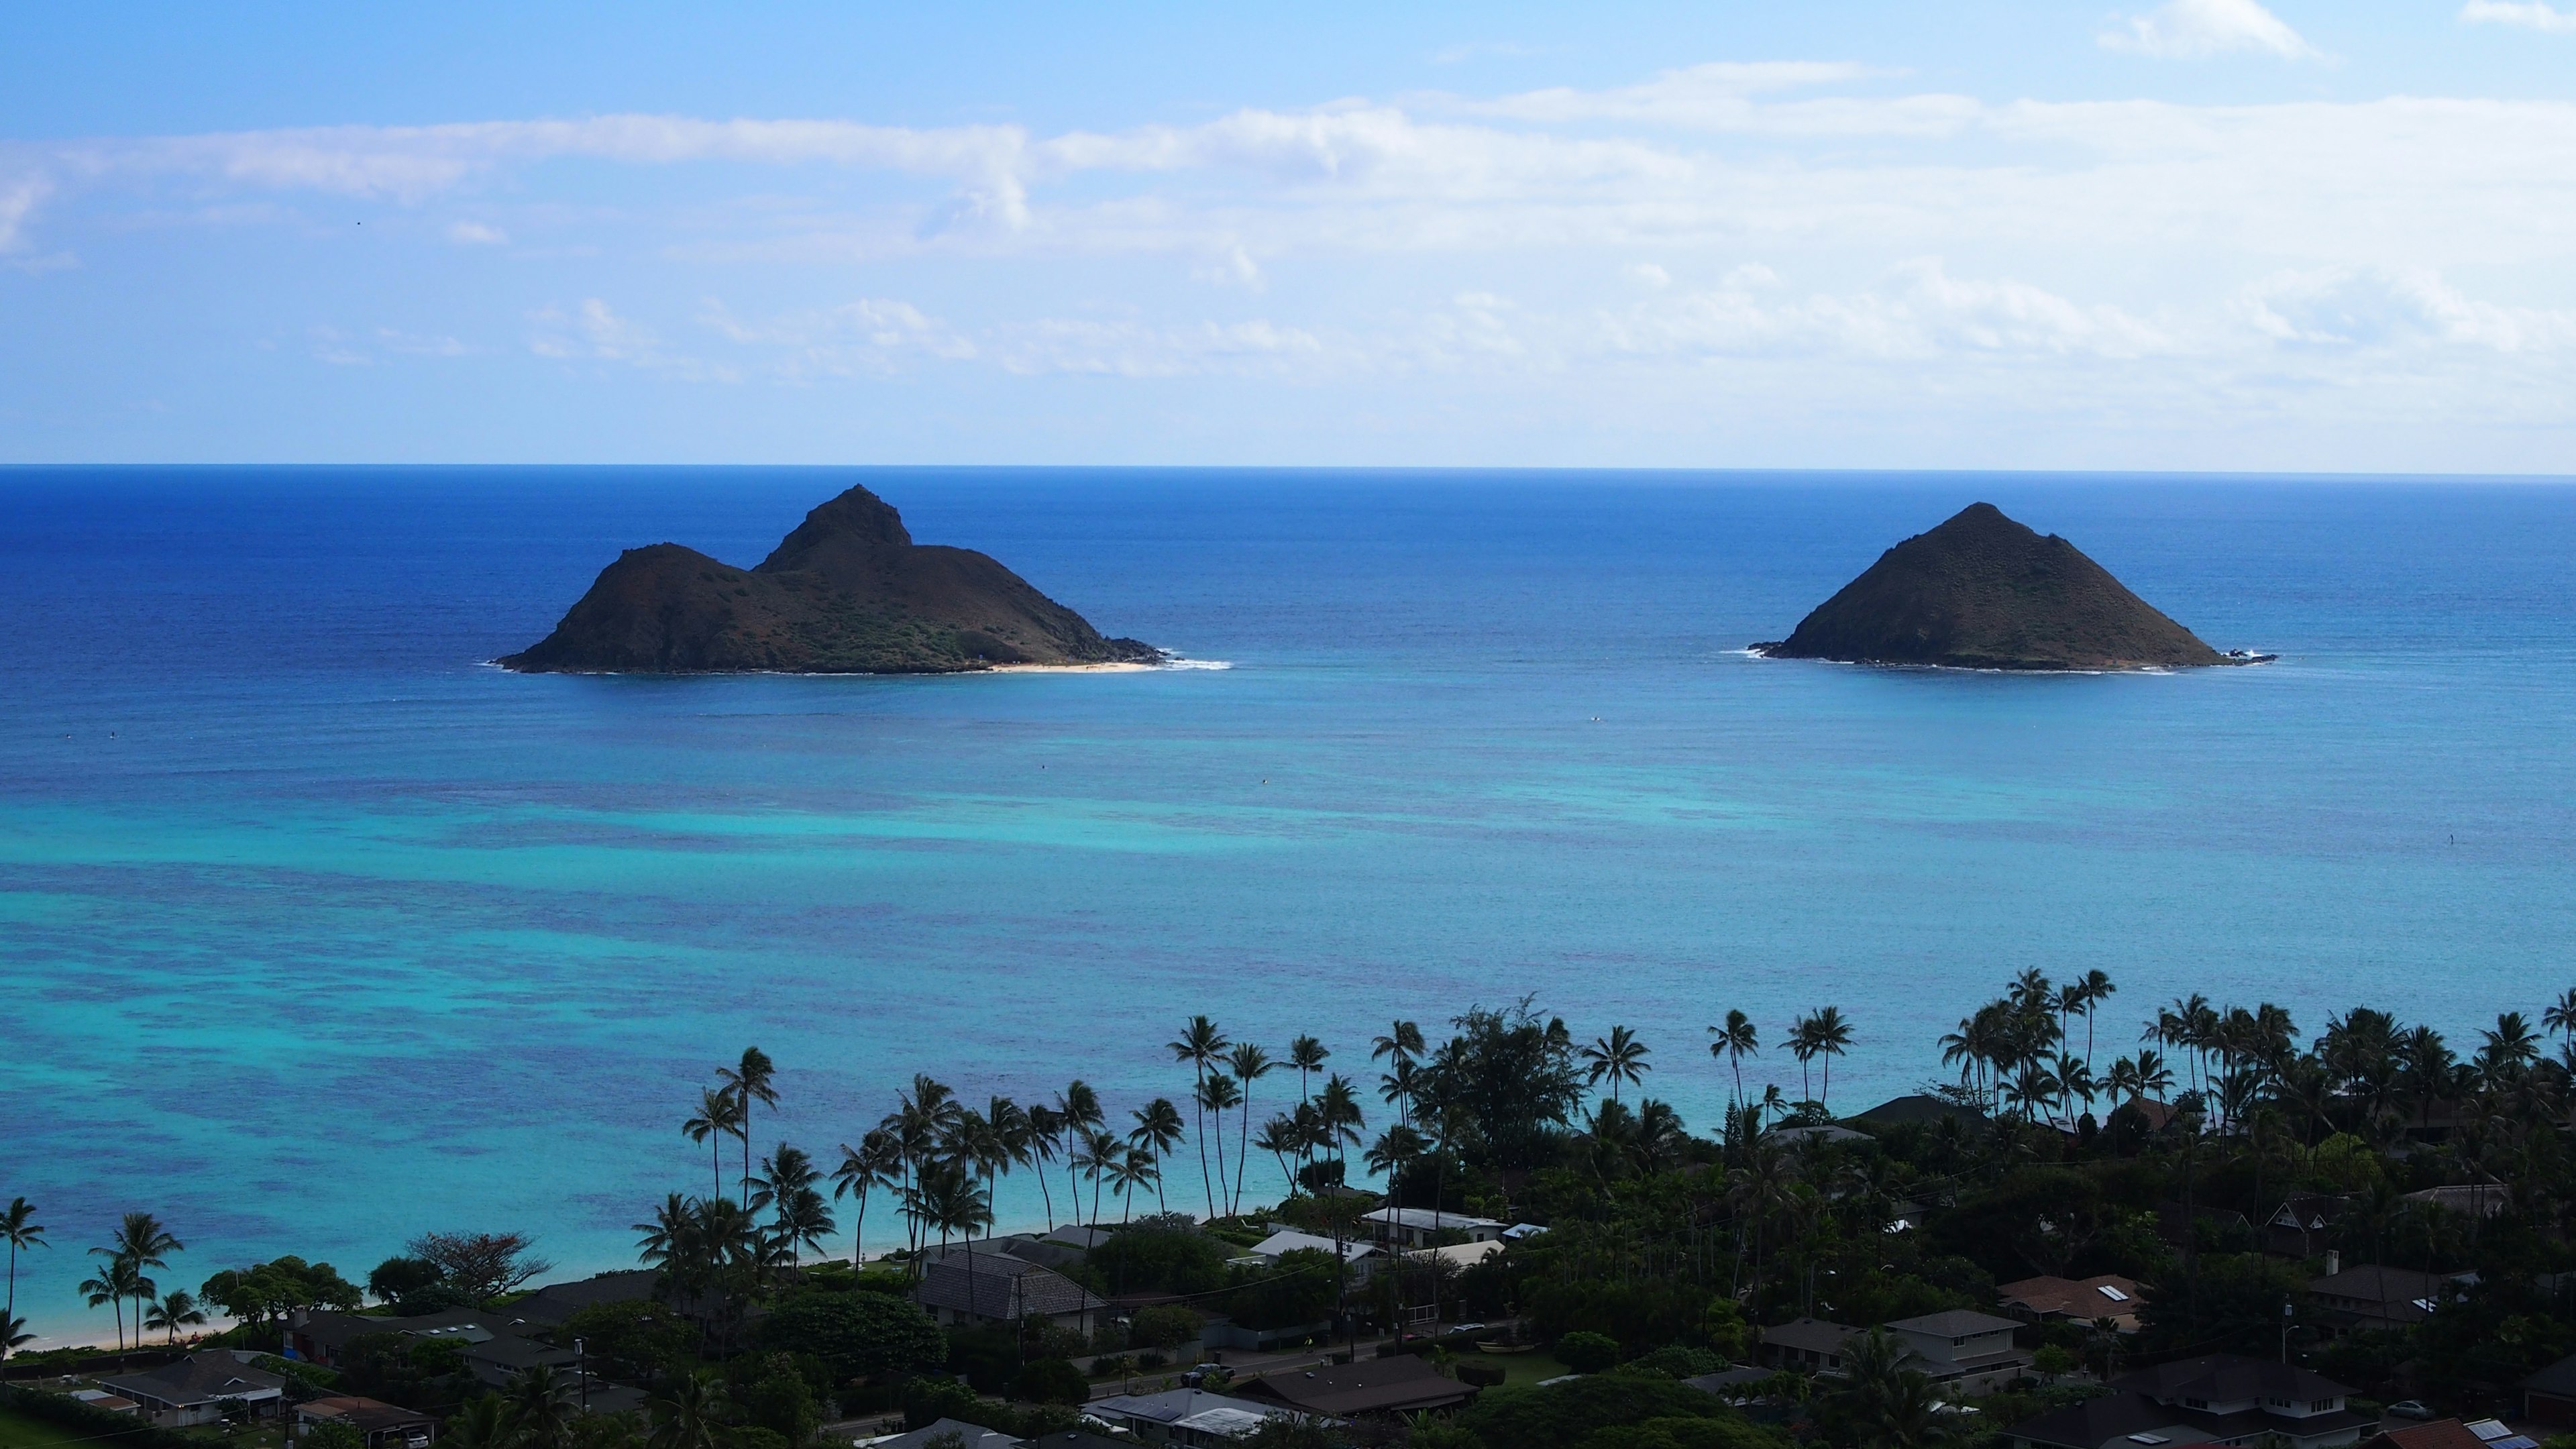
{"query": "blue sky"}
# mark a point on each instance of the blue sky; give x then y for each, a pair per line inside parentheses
(2190, 234)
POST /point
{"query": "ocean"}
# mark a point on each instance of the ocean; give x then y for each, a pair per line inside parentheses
(319, 932)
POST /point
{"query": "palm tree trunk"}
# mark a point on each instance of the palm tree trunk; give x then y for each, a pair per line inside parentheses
(1242, 1149)
(1220, 1155)
(1198, 1110)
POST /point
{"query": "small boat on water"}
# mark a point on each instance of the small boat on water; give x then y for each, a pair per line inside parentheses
(1488, 1346)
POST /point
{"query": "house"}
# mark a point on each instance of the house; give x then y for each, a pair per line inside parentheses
(2303, 1223)
(2549, 1396)
(1734, 1385)
(2374, 1296)
(1461, 1256)
(1809, 1345)
(1361, 1258)
(1813, 1132)
(2083, 1300)
(380, 1425)
(1919, 1107)
(972, 1436)
(966, 1287)
(549, 1306)
(1191, 1417)
(1416, 1227)
(195, 1389)
(322, 1336)
(2216, 1399)
(2451, 1434)
(496, 1358)
(1971, 1352)
(1401, 1384)
(2469, 1199)
(102, 1399)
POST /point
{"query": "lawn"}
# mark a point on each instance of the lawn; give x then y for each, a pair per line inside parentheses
(17, 1431)
(1521, 1368)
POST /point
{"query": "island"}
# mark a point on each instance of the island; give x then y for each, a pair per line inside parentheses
(848, 592)
(1984, 592)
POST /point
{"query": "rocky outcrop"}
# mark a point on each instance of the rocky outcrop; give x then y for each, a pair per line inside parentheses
(1984, 592)
(848, 592)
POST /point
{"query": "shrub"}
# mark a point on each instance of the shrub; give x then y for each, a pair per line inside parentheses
(856, 1335)
(1678, 1361)
(1562, 1414)
(1678, 1433)
(638, 1340)
(1051, 1381)
(1165, 1326)
(1482, 1375)
(1162, 1258)
(1587, 1352)
(332, 1434)
(783, 1403)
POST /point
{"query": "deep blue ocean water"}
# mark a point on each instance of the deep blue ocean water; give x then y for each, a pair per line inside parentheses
(318, 932)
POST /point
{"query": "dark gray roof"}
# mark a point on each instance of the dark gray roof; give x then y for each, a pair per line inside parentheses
(2225, 1377)
(556, 1302)
(2558, 1378)
(1810, 1333)
(976, 1436)
(2112, 1417)
(331, 1330)
(1396, 1385)
(1918, 1107)
(200, 1378)
(1001, 1286)
(1728, 1378)
(1956, 1323)
(1078, 1439)
(2378, 1283)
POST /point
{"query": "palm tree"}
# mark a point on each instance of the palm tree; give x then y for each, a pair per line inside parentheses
(1831, 1037)
(1158, 1130)
(119, 1280)
(687, 1415)
(1045, 1140)
(719, 1116)
(1078, 1108)
(1200, 1044)
(801, 1217)
(1129, 1170)
(1307, 1055)
(18, 1226)
(541, 1401)
(1339, 1107)
(1219, 1094)
(1736, 1040)
(139, 1242)
(1397, 1146)
(483, 1422)
(172, 1311)
(1249, 1064)
(1280, 1136)
(749, 1081)
(2560, 1017)
(1100, 1150)
(1401, 1045)
(13, 1335)
(1619, 1057)
(876, 1162)
(2097, 988)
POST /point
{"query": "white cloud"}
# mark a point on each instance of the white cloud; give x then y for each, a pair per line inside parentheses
(1478, 49)
(1650, 274)
(2348, 307)
(1917, 312)
(18, 201)
(475, 233)
(2191, 29)
(2530, 14)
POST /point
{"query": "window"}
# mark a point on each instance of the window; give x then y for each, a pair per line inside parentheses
(2321, 1406)
(2114, 1294)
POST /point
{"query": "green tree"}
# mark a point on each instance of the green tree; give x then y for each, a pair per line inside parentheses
(749, 1081)
(687, 1414)
(1618, 1057)
(174, 1310)
(1587, 1352)
(1051, 1381)
(643, 1341)
(719, 1116)
(1201, 1044)
(855, 1335)
(18, 1228)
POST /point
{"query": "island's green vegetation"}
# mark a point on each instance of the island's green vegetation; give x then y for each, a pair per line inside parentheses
(2057, 1146)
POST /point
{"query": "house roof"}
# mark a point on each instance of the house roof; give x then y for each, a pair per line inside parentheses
(2309, 1211)
(1814, 1132)
(330, 1330)
(1077, 1439)
(1289, 1240)
(2074, 1298)
(1431, 1220)
(200, 1378)
(1918, 1107)
(369, 1415)
(999, 1285)
(1170, 1406)
(2559, 1378)
(1399, 1384)
(2229, 1377)
(975, 1436)
(1814, 1334)
(2378, 1283)
(2109, 1420)
(2439, 1434)
(1955, 1323)
(2483, 1198)
(1078, 1237)
(1728, 1378)
(556, 1302)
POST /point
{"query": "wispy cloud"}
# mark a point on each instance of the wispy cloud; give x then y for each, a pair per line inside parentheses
(475, 233)
(2529, 14)
(18, 201)
(2193, 29)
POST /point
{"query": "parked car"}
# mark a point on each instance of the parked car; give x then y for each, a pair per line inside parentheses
(2409, 1409)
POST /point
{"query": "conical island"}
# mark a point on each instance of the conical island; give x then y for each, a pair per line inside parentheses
(848, 592)
(1984, 592)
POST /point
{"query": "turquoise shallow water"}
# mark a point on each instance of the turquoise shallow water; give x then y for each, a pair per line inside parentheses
(319, 933)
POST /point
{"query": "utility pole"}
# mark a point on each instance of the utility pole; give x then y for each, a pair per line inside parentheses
(581, 1370)
(2285, 1330)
